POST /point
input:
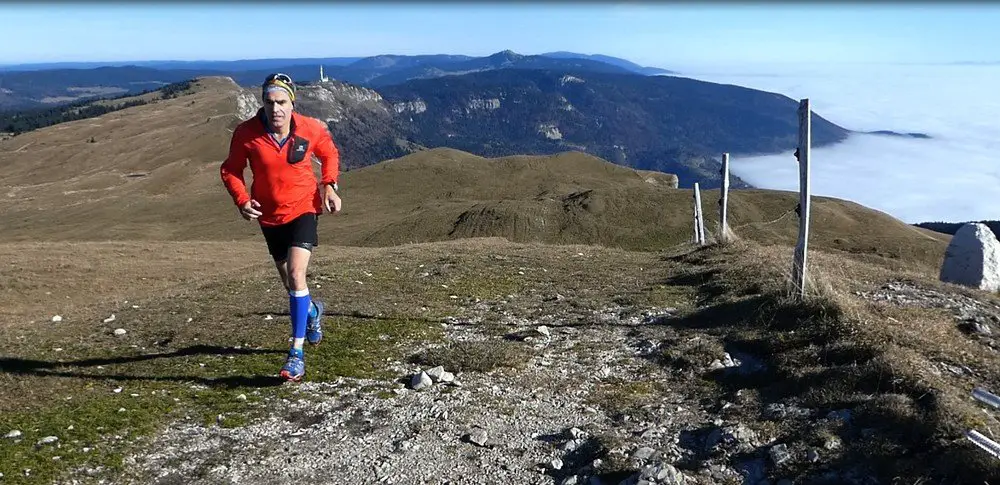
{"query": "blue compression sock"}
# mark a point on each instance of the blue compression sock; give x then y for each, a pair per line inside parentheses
(298, 307)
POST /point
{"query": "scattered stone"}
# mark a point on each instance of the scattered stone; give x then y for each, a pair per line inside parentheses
(477, 437)
(420, 381)
(570, 480)
(241, 397)
(572, 445)
(447, 377)
(668, 475)
(110, 319)
(119, 332)
(13, 435)
(973, 258)
(436, 373)
(784, 411)
(779, 454)
(542, 329)
(48, 440)
(556, 464)
(577, 433)
(643, 453)
(57, 318)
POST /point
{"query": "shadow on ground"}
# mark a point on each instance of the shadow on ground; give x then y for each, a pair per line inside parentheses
(16, 366)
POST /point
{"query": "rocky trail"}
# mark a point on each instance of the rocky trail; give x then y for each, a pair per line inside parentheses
(546, 365)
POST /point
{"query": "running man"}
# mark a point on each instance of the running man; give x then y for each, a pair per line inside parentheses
(285, 198)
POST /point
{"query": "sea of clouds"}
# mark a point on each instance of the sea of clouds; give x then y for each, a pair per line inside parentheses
(954, 177)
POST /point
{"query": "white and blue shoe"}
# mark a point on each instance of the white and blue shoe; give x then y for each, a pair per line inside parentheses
(295, 366)
(314, 332)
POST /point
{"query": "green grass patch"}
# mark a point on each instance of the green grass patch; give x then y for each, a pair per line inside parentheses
(200, 382)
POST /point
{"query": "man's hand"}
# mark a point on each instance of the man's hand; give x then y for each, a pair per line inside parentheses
(249, 210)
(331, 199)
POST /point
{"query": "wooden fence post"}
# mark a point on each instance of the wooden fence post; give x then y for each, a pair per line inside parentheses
(799, 273)
(699, 220)
(724, 201)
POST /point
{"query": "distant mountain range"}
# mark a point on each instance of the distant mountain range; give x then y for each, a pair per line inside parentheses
(32, 85)
(664, 123)
(504, 104)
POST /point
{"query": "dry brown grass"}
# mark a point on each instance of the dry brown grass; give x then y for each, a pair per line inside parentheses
(835, 350)
(152, 175)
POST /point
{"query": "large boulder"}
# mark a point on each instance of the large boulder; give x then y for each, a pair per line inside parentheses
(973, 258)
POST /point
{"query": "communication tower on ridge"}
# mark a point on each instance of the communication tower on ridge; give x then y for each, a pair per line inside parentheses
(322, 78)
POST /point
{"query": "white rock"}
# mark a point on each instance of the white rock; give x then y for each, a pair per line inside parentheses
(542, 329)
(478, 437)
(15, 434)
(48, 440)
(572, 445)
(973, 258)
(556, 464)
(447, 377)
(436, 373)
(420, 381)
(57, 318)
(119, 332)
(668, 475)
(644, 453)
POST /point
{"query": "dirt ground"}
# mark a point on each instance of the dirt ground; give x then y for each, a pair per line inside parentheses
(570, 364)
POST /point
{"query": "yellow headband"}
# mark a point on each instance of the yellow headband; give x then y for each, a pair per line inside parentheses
(280, 85)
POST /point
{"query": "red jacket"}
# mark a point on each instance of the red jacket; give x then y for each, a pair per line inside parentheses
(283, 180)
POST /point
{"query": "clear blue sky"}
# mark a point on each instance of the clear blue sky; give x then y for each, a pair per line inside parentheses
(659, 34)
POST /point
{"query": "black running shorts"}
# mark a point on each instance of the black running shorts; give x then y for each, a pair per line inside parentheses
(300, 232)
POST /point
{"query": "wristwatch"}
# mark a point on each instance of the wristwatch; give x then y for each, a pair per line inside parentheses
(334, 185)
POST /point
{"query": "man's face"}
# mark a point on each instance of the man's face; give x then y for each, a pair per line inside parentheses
(278, 107)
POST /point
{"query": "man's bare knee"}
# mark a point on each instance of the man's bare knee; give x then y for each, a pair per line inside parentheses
(298, 264)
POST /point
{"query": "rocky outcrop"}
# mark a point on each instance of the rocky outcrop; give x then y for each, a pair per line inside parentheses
(481, 104)
(246, 105)
(550, 131)
(973, 258)
(415, 107)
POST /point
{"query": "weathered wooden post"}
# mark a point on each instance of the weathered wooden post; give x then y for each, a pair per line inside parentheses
(724, 201)
(802, 153)
(699, 220)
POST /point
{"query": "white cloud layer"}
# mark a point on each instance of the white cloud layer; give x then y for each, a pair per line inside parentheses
(955, 176)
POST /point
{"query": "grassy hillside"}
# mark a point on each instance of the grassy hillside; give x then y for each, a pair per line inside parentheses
(152, 174)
